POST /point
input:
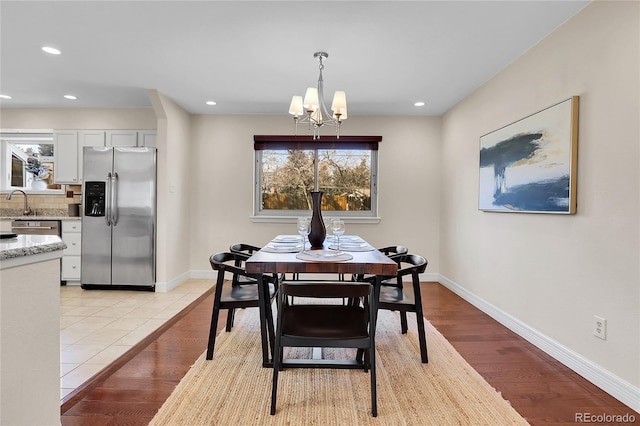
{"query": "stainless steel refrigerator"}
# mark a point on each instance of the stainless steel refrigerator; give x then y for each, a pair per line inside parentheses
(119, 218)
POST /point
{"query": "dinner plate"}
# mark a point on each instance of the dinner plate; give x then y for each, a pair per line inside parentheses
(287, 239)
(347, 246)
(324, 256)
(345, 238)
(282, 248)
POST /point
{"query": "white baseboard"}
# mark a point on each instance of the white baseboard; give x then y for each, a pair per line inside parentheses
(610, 383)
(203, 274)
(165, 286)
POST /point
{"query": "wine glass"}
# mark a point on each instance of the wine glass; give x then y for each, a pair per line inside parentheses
(337, 226)
(304, 228)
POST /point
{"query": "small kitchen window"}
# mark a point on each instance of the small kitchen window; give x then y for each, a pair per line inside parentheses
(28, 158)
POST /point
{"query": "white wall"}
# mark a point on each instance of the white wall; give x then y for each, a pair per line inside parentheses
(222, 183)
(174, 190)
(555, 272)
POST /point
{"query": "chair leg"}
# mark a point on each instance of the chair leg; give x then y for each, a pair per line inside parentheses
(277, 359)
(230, 318)
(403, 321)
(213, 330)
(374, 396)
(422, 338)
(365, 358)
(270, 327)
(281, 358)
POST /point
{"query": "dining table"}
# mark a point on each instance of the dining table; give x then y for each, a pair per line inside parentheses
(286, 255)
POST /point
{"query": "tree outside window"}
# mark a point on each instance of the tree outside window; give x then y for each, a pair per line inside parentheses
(345, 174)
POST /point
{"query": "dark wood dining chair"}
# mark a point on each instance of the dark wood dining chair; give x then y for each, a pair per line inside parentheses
(243, 248)
(324, 325)
(393, 252)
(230, 296)
(247, 250)
(407, 298)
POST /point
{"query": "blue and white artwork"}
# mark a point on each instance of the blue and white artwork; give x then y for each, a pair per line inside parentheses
(529, 166)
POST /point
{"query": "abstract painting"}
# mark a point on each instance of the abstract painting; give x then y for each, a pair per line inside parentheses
(529, 166)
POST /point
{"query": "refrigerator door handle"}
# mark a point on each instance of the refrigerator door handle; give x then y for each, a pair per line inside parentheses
(107, 215)
(114, 198)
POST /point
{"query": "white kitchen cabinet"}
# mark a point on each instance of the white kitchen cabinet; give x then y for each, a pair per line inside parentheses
(122, 138)
(66, 157)
(69, 146)
(147, 138)
(72, 236)
(88, 138)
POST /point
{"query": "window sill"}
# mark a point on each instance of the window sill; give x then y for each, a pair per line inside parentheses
(294, 219)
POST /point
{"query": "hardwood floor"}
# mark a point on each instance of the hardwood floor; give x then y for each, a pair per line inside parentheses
(541, 389)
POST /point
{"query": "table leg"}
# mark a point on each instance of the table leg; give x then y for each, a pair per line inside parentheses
(376, 297)
(374, 306)
(266, 321)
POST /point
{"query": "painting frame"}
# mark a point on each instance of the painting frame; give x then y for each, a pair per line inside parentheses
(530, 165)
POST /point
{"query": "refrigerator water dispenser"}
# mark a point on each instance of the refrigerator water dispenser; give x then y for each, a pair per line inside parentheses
(94, 199)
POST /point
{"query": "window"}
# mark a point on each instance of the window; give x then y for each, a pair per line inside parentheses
(28, 158)
(286, 173)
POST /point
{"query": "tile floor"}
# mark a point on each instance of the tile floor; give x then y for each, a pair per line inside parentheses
(97, 326)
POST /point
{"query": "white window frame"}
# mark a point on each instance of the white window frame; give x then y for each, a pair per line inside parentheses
(11, 136)
(289, 216)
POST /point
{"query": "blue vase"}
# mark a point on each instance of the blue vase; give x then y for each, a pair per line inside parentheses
(318, 231)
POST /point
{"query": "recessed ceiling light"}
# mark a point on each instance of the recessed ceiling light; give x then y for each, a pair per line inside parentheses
(51, 50)
(210, 102)
(420, 103)
(5, 96)
(72, 97)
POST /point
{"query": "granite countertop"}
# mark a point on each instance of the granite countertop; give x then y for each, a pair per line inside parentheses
(39, 214)
(27, 245)
(40, 217)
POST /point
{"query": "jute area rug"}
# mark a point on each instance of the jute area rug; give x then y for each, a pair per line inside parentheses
(234, 388)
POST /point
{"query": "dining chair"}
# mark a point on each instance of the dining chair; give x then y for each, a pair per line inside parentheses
(393, 252)
(401, 298)
(247, 250)
(243, 248)
(244, 294)
(312, 322)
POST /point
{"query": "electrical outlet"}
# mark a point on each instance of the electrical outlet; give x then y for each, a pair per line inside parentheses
(600, 327)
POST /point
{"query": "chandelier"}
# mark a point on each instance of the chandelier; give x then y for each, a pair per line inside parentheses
(312, 109)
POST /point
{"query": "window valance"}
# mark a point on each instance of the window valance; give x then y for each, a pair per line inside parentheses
(262, 142)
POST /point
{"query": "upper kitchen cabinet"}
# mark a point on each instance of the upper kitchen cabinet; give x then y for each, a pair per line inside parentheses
(122, 138)
(147, 138)
(70, 144)
(88, 138)
(130, 138)
(66, 157)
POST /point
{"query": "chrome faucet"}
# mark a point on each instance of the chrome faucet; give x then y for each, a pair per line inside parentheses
(27, 209)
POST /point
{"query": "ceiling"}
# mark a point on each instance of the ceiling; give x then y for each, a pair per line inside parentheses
(250, 57)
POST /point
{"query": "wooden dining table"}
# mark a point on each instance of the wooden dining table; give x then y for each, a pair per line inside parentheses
(371, 262)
